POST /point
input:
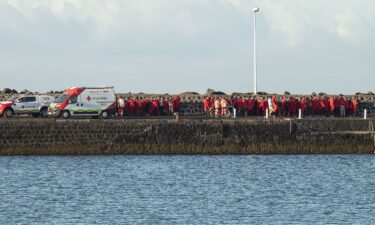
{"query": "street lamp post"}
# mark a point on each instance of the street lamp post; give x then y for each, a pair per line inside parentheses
(255, 50)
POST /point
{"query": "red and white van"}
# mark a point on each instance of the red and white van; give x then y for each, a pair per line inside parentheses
(84, 101)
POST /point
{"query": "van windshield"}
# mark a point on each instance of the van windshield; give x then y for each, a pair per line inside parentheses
(61, 98)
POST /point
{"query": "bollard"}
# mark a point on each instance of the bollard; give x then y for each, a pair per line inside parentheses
(300, 114)
(234, 113)
(365, 114)
(267, 113)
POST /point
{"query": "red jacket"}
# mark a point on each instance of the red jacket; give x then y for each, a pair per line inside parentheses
(176, 104)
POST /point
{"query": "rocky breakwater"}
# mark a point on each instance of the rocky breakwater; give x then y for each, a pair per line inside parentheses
(194, 136)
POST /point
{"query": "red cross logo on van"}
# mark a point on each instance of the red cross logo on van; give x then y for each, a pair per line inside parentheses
(88, 98)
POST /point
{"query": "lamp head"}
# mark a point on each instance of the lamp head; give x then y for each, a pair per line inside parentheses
(256, 9)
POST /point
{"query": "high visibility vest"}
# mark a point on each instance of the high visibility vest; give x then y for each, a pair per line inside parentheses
(217, 104)
(224, 103)
(121, 103)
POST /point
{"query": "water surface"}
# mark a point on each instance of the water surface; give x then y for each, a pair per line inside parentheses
(188, 190)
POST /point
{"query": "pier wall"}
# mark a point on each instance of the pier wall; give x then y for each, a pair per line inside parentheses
(195, 136)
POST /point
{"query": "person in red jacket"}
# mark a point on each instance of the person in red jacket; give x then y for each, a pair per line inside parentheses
(206, 104)
(176, 104)
(241, 110)
(260, 111)
(337, 104)
(166, 105)
(341, 102)
(155, 107)
(302, 105)
(347, 106)
(146, 106)
(138, 106)
(315, 103)
(284, 106)
(291, 107)
(246, 105)
(322, 106)
(252, 106)
(265, 106)
(131, 106)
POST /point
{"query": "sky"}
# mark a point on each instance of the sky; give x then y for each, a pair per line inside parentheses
(172, 46)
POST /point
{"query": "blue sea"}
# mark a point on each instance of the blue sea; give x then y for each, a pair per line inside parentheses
(316, 189)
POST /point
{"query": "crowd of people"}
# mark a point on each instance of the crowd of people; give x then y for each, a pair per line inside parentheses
(221, 106)
(148, 106)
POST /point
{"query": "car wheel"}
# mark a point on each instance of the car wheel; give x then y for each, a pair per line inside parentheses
(44, 112)
(65, 114)
(8, 113)
(105, 114)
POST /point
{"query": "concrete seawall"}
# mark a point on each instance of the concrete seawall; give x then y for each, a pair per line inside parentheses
(195, 136)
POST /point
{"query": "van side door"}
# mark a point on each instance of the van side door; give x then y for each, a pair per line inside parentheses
(19, 105)
(32, 104)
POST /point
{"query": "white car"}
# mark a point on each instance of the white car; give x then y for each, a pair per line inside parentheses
(35, 105)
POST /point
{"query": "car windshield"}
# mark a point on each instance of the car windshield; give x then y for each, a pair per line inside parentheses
(12, 99)
(61, 98)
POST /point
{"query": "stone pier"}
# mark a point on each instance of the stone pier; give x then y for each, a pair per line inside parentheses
(189, 136)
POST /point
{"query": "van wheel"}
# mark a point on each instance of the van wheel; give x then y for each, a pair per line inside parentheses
(65, 114)
(8, 113)
(105, 115)
(44, 112)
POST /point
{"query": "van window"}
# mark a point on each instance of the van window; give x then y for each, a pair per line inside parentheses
(73, 100)
(30, 99)
(22, 99)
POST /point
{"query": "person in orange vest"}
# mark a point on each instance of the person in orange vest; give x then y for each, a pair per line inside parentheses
(120, 106)
(224, 106)
(354, 106)
(206, 104)
(332, 106)
(217, 105)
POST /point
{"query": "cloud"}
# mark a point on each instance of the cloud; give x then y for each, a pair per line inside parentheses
(352, 26)
(136, 41)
